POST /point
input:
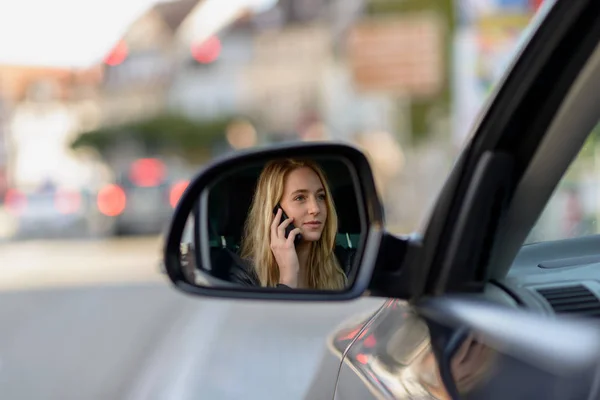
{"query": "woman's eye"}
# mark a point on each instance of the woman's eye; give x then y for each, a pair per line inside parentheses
(298, 198)
(322, 197)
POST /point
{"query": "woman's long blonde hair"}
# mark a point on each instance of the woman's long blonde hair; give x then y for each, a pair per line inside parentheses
(324, 270)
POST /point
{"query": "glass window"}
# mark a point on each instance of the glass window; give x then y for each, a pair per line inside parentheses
(574, 208)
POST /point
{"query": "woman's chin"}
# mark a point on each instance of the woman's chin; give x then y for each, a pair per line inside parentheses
(311, 236)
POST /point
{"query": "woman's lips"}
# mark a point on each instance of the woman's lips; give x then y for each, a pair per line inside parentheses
(313, 223)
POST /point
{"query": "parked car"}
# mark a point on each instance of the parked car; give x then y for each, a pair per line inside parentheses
(54, 212)
(142, 198)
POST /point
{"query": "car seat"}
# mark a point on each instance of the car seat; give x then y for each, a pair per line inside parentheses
(346, 206)
(228, 204)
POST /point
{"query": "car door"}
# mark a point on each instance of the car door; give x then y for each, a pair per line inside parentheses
(468, 239)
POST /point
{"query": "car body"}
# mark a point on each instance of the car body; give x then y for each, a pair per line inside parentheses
(532, 128)
(142, 198)
(56, 212)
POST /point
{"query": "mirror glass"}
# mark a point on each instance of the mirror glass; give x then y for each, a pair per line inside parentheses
(291, 223)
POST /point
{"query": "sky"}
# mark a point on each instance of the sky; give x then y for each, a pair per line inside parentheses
(216, 14)
(63, 33)
(80, 33)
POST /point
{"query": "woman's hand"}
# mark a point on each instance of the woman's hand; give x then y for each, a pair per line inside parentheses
(284, 251)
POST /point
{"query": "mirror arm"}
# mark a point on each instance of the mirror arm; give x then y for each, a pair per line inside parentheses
(390, 278)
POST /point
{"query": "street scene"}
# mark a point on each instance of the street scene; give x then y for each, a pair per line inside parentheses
(101, 133)
(104, 323)
(172, 92)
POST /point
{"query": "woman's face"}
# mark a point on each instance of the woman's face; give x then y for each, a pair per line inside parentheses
(304, 200)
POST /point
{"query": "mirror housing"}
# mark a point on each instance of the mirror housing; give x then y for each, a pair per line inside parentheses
(486, 350)
(196, 197)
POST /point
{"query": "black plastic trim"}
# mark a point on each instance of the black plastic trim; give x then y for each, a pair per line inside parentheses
(468, 252)
(393, 274)
(569, 262)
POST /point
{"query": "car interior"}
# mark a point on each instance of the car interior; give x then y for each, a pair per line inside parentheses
(230, 198)
(552, 277)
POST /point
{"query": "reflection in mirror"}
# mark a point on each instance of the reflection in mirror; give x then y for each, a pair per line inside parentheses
(482, 368)
(281, 223)
(470, 367)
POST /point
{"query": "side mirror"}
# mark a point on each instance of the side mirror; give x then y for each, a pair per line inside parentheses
(225, 239)
(490, 351)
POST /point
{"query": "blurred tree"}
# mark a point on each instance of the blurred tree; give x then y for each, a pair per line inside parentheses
(422, 109)
(162, 134)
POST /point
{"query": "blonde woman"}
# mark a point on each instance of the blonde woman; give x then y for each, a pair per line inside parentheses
(300, 189)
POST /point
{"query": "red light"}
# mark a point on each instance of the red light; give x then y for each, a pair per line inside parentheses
(147, 172)
(370, 341)
(535, 4)
(362, 358)
(208, 51)
(176, 192)
(15, 201)
(67, 202)
(111, 200)
(117, 55)
(351, 335)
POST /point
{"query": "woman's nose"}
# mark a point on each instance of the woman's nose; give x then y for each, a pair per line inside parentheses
(313, 207)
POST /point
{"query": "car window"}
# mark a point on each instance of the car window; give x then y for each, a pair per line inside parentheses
(490, 38)
(574, 208)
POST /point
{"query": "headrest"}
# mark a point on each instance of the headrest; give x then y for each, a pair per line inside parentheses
(230, 199)
(346, 207)
(229, 202)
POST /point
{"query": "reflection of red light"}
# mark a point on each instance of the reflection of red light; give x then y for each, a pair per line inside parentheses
(362, 358)
(147, 172)
(15, 201)
(207, 51)
(117, 55)
(111, 200)
(67, 202)
(370, 341)
(351, 335)
(176, 192)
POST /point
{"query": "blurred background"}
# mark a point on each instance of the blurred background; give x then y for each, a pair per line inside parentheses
(107, 109)
(103, 124)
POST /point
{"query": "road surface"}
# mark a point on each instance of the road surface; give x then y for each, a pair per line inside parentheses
(96, 320)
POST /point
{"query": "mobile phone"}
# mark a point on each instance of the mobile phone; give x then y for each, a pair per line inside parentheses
(288, 228)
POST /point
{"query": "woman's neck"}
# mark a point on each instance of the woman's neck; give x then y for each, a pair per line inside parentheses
(303, 252)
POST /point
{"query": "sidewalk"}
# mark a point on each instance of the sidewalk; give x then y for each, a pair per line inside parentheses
(7, 224)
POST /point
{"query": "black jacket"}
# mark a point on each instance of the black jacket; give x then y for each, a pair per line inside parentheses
(243, 273)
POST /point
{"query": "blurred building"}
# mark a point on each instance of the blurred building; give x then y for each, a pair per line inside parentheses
(277, 66)
(43, 108)
(4, 118)
(139, 72)
(297, 79)
(208, 77)
(489, 34)
(274, 65)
